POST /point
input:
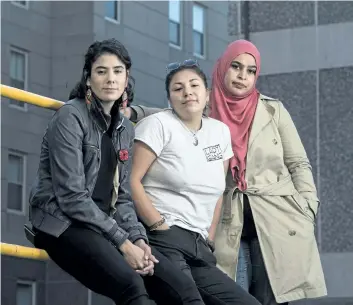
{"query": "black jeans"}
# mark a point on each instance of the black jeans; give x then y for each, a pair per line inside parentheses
(190, 253)
(91, 259)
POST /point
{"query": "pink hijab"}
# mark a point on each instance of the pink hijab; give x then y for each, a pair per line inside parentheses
(237, 112)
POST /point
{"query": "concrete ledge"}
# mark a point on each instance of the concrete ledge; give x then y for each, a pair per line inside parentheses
(305, 48)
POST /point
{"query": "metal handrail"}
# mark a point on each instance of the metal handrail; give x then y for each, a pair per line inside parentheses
(23, 252)
(30, 98)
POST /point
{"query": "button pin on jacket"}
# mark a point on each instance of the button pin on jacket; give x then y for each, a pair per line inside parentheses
(274, 141)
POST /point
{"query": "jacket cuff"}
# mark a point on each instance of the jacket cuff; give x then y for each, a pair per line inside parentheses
(137, 114)
(312, 201)
(117, 236)
(137, 234)
(314, 206)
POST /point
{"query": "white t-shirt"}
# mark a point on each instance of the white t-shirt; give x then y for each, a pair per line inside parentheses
(185, 181)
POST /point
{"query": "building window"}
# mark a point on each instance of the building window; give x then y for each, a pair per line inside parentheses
(16, 186)
(112, 10)
(23, 4)
(25, 293)
(174, 23)
(198, 26)
(18, 74)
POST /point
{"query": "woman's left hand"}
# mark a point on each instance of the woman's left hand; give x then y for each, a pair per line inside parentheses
(148, 256)
(211, 244)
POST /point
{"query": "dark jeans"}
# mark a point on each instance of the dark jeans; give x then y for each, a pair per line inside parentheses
(251, 272)
(190, 253)
(97, 264)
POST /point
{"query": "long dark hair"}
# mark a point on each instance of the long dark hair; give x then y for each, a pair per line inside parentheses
(98, 48)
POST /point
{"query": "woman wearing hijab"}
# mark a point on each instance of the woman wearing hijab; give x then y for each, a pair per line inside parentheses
(265, 239)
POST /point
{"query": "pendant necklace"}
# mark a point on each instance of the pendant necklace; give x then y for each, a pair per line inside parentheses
(195, 139)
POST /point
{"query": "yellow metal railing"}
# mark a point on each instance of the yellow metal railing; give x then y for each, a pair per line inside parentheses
(23, 252)
(30, 98)
(44, 102)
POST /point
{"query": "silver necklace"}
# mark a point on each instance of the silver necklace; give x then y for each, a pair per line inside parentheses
(195, 139)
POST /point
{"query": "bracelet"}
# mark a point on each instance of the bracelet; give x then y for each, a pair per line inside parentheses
(157, 224)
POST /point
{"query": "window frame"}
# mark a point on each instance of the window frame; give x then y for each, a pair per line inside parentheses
(118, 12)
(25, 53)
(33, 285)
(26, 6)
(24, 182)
(171, 44)
(201, 56)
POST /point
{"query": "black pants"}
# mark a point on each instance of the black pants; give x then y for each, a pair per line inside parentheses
(93, 261)
(190, 253)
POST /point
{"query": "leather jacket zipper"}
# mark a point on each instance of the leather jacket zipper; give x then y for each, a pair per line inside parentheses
(116, 129)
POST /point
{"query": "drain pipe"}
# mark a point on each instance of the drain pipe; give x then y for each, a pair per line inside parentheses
(246, 16)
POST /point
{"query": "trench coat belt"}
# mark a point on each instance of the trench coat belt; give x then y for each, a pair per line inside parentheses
(284, 187)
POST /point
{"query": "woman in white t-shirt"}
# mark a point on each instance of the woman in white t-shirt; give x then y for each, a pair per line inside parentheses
(178, 179)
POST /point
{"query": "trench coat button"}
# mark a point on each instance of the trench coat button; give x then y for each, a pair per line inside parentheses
(274, 141)
(292, 232)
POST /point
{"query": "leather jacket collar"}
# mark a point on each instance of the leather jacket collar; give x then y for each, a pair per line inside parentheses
(96, 109)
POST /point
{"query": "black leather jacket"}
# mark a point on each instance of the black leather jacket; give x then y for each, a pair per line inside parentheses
(68, 170)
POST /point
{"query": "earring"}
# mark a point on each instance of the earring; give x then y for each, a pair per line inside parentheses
(89, 94)
(124, 97)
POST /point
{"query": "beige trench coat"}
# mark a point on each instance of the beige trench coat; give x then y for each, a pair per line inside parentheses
(283, 199)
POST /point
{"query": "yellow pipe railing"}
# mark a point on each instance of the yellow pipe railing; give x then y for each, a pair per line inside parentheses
(23, 252)
(31, 98)
(40, 101)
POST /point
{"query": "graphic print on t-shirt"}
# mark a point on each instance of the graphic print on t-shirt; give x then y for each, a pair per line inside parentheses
(213, 153)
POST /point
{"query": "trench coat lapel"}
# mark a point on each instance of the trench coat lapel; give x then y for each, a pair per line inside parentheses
(263, 116)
